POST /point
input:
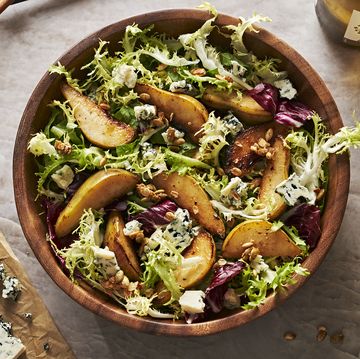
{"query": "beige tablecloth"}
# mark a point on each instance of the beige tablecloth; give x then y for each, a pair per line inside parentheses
(34, 33)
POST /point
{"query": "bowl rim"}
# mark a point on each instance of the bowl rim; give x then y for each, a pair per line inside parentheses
(104, 306)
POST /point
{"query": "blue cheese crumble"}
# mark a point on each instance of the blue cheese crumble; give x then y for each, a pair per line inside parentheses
(125, 75)
(132, 227)
(286, 89)
(2, 272)
(180, 87)
(10, 346)
(63, 177)
(234, 192)
(12, 288)
(233, 124)
(145, 112)
(105, 260)
(192, 301)
(292, 190)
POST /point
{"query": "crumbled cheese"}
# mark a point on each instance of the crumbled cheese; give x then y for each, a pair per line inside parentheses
(233, 193)
(233, 124)
(148, 152)
(125, 75)
(180, 230)
(2, 272)
(176, 135)
(132, 227)
(259, 267)
(192, 301)
(291, 189)
(145, 112)
(63, 177)
(10, 347)
(180, 86)
(286, 89)
(12, 288)
(106, 260)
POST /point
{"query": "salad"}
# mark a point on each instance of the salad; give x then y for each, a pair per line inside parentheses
(180, 178)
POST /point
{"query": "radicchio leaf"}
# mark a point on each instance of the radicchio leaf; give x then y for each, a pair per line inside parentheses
(266, 95)
(117, 205)
(155, 216)
(53, 210)
(306, 219)
(214, 294)
(79, 179)
(292, 113)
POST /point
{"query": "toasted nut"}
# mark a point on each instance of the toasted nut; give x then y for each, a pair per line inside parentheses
(319, 193)
(220, 171)
(103, 161)
(62, 147)
(262, 143)
(195, 209)
(144, 97)
(236, 171)
(269, 155)
(198, 72)
(125, 282)
(337, 338)
(161, 67)
(179, 142)
(119, 276)
(157, 122)
(104, 106)
(322, 333)
(253, 253)
(254, 148)
(228, 79)
(269, 134)
(247, 245)
(170, 216)
(289, 336)
(174, 194)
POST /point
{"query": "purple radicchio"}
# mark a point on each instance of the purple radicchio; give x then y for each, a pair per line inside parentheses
(79, 179)
(52, 211)
(306, 219)
(215, 292)
(292, 113)
(286, 112)
(266, 96)
(155, 216)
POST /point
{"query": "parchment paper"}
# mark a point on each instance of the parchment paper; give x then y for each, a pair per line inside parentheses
(41, 329)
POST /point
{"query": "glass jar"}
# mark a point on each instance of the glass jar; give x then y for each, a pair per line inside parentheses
(340, 19)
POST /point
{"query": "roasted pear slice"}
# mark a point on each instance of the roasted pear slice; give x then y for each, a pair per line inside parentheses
(96, 192)
(97, 126)
(188, 113)
(188, 194)
(199, 257)
(276, 171)
(122, 246)
(239, 154)
(243, 106)
(269, 244)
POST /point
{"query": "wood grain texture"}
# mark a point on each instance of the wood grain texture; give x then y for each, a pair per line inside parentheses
(312, 91)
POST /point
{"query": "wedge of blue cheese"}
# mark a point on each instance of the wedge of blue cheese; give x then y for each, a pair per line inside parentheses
(10, 346)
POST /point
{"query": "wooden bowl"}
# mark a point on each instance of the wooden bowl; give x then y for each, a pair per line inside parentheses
(312, 91)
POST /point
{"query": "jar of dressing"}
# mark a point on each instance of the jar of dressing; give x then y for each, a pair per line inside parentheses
(340, 19)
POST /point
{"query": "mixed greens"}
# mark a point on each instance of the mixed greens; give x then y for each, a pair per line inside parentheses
(182, 178)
